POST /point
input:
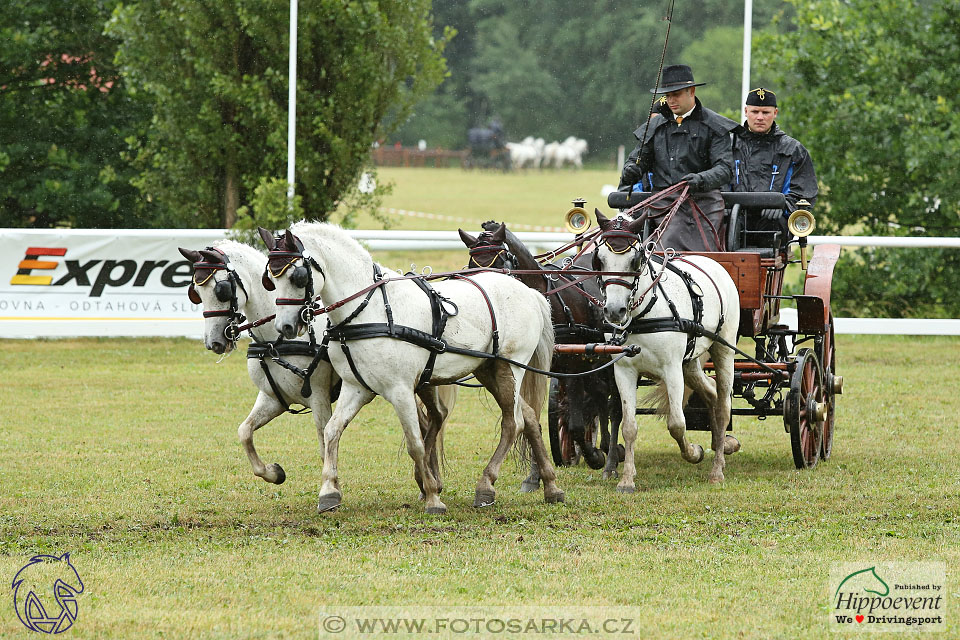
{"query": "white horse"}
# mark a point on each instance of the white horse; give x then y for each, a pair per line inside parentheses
(640, 305)
(485, 313)
(226, 280)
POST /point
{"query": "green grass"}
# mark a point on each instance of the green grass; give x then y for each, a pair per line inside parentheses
(124, 453)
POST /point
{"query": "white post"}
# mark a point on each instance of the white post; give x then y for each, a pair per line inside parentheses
(292, 104)
(747, 36)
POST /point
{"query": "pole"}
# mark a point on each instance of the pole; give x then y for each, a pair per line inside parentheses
(292, 104)
(747, 36)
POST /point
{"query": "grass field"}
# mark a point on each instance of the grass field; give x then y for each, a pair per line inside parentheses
(124, 453)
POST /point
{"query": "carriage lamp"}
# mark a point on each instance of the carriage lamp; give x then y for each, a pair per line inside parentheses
(577, 219)
(801, 224)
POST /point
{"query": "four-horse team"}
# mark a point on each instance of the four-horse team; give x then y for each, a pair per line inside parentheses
(658, 295)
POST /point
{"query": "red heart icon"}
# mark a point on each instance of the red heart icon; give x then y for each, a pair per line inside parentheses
(859, 618)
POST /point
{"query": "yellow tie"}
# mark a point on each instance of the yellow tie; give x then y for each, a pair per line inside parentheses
(679, 119)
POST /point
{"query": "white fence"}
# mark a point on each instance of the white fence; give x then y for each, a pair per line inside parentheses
(123, 282)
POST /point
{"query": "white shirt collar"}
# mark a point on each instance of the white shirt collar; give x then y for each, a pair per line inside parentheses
(684, 115)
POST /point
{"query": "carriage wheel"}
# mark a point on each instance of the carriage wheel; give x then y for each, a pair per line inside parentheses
(832, 384)
(804, 410)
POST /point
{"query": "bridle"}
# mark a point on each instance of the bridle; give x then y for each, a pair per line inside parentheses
(225, 291)
(279, 261)
(619, 241)
(486, 247)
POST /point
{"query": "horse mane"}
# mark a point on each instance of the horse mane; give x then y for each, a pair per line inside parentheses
(240, 252)
(333, 234)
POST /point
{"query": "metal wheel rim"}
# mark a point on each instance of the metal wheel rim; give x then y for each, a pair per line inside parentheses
(806, 388)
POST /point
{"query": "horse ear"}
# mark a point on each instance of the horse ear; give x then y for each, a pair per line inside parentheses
(210, 256)
(500, 234)
(290, 239)
(189, 254)
(602, 221)
(267, 236)
(637, 226)
(467, 239)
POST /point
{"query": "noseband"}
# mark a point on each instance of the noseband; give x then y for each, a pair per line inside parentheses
(224, 290)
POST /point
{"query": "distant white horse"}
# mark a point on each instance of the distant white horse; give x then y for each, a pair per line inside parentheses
(227, 282)
(447, 328)
(662, 310)
(570, 152)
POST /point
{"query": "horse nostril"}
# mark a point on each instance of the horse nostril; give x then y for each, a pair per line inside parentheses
(217, 347)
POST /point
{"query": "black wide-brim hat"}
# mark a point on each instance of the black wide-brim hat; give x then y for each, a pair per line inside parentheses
(676, 77)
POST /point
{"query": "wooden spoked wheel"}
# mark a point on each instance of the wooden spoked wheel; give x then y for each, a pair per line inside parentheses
(832, 385)
(805, 410)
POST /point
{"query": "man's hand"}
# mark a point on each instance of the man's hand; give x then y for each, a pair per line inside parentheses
(631, 174)
(695, 180)
(771, 214)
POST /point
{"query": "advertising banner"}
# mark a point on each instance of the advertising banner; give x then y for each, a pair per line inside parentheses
(86, 282)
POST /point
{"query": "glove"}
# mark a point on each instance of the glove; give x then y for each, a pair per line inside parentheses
(631, 174)
(695, 180)
(771, 214)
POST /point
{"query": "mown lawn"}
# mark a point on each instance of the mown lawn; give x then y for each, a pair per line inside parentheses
(124, 453)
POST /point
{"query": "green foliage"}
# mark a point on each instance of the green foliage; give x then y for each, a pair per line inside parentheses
(65, 115)
(217, 75)
(870, 88)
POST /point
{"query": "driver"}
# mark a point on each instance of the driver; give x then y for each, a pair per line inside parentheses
(684, 141)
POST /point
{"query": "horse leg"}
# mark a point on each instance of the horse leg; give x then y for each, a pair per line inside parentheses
(626, 378)
(405, 405)
(723, 444)
(264, 410)
(319, 401)
(431, 414)
(615, 453)
(676, 424)
(352, 399)
(533, 433)
(499, 381)
(579, 418)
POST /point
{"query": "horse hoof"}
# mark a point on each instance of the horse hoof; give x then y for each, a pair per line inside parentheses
(609, 474)
(716, 478)
(436, 510)
(276, 472)
(529, 487)
(483, 499)
(698, 454)
(626, 489)
(554, 498)
(730, 445)
(328, 502)
(596, 461)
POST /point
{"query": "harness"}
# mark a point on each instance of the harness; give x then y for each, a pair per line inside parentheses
(224, 290)
(276, 350)
(441, 309)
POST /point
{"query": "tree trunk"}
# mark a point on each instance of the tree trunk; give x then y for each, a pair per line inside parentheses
(231, 192)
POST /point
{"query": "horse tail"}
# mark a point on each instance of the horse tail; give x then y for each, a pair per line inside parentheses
(533, 389)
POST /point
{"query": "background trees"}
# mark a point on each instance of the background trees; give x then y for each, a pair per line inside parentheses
(216, 75)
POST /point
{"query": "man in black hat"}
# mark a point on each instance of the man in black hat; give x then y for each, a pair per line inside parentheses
(767, 159)
(684, 141)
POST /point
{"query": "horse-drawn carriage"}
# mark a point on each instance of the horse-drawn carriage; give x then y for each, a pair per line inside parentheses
(487, 148)
(792, 372)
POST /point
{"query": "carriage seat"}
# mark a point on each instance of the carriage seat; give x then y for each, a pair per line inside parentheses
(736, 205)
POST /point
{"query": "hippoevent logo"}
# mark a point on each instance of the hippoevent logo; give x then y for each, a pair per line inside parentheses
(98, 274)
(888, 597)
(45, 594)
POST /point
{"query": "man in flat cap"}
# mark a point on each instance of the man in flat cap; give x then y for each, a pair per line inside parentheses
(684, 141)
(767, 159)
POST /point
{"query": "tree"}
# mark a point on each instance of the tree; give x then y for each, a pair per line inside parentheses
(870, 87)
(217, 76)
(65, 115)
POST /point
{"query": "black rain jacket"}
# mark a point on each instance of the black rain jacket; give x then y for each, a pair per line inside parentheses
(773, 161)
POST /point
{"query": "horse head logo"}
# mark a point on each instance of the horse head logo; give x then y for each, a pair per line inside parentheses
(867, 580)
(32, 587)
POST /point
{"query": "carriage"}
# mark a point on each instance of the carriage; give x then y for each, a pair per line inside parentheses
(793, 370)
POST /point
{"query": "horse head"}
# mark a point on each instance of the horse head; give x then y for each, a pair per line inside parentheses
(489, 250)
(296, 276)
(217, 287)
(618, 250)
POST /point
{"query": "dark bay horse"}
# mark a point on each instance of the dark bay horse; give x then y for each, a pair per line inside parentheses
(581, 401)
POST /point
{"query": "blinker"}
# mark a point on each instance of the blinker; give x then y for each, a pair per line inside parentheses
(224, 290)
(300, 277)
